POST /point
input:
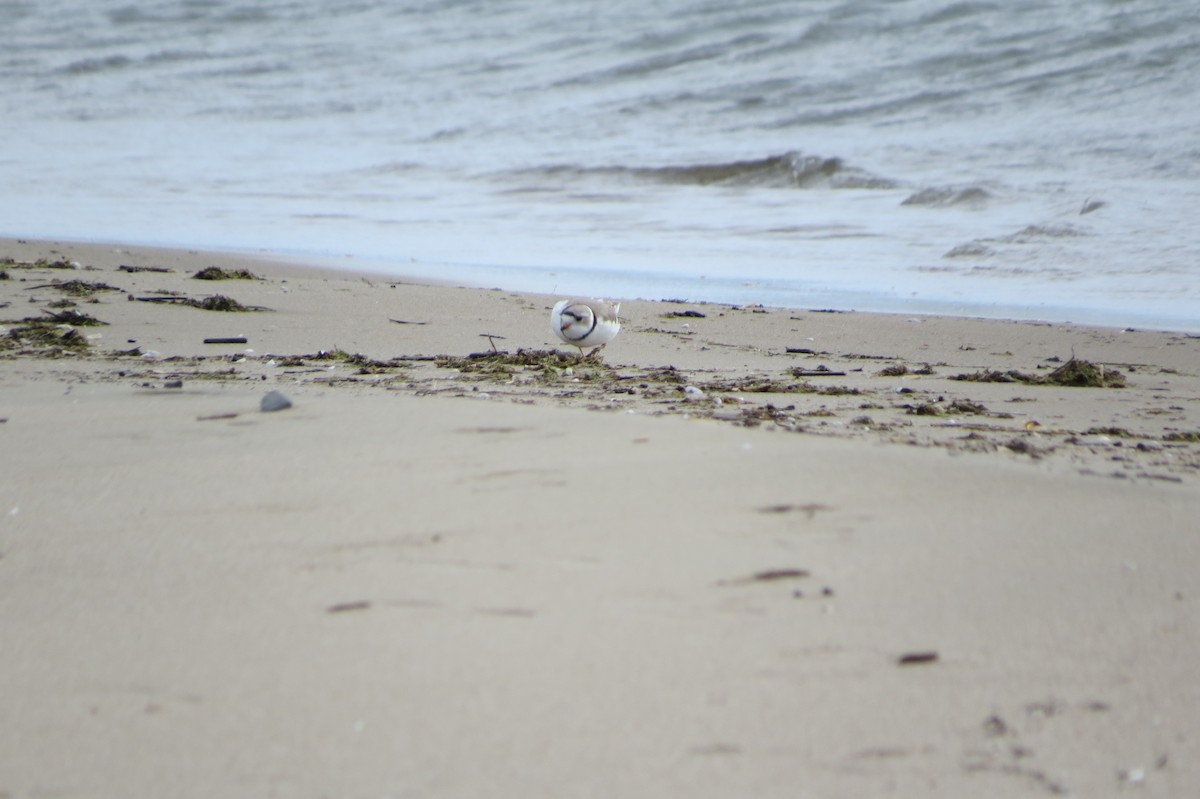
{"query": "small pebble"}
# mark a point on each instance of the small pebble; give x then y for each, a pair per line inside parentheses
(275, 401)
(692, 393)
(1134, 775)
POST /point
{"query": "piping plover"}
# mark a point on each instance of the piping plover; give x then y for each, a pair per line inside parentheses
(585, 323)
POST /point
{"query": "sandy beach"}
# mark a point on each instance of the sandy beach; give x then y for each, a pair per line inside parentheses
(744, 551)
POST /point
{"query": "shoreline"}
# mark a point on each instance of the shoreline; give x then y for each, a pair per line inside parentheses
(875, 554)
(533, 279)
(968, 385)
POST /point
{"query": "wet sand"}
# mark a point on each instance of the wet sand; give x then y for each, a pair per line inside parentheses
(864, 554)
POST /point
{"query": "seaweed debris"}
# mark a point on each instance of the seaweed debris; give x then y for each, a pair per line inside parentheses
(665, 374)
(365, 364)
(215, 302)
(1072, 373)
(76, 288)
(765, 385)
(217, 273)
(43, 337)
(219, 302)
(134, 269)
(41, 263)
(506, 362)
(1086, 374)
(1115, 432)
(954, 408)
(966, 406)
(821, 371)
(900, 370)
(71, 317)
(755, 416)
(993, 376)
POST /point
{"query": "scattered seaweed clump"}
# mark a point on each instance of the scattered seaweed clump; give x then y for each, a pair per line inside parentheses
(43, 337)
(136, 269)
(821, 370)
(217, 273)
(753, 384)
(40, 263)
(1023, 446)
(666, 374)
(216, 374)
(993, 376)
(4, 275)
(753, 417)
(365, 364)
(219, 302)
(1085, 374)
(215, 302)
(957, 407)
(831, 391)
(1185, 436)
(372, 366)
(72, 317)
(78, 288)
(895, 370)
(504, 362)
(335, 354)
(1115, 432)
(1072, 373)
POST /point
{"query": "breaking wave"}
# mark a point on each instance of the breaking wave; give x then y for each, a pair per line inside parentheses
(786, 171)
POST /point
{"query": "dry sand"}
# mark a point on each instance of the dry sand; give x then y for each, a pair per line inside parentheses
(522, 575)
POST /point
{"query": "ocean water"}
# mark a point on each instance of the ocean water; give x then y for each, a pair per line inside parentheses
(1017, 159)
